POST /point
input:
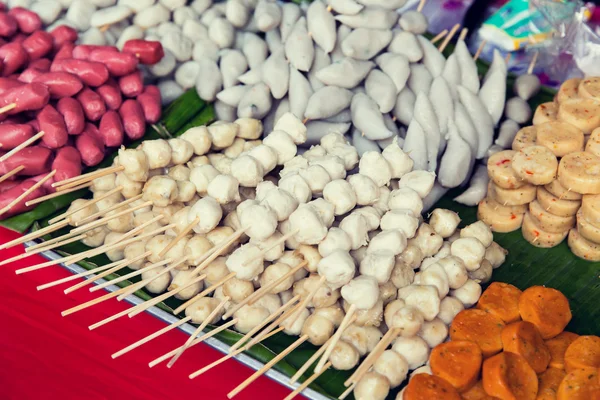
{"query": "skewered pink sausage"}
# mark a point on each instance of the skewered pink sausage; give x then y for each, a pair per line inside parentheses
(73, 115)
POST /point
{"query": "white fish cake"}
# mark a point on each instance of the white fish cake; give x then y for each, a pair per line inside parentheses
(568, 90)
(501, 172)
(593, 142)
(539, 237)
(546, 112)
(581, 113)
(590, 88)
(561, 192)
(580, 172)
(512, 197)
(590, 207)
(548, 221)
(586, 229)
(500, 218)
(525, 137)
(582, 247)
(555, 205)
(535, 164)
(560, 137)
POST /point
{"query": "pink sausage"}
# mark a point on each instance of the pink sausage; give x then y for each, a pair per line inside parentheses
(73, 115)
(83, 51)
(35, 159)
(13, 193)
(111, 129)
(92, 103)
(111, 94)
(9, 83)
(12, 135)
(13, 57)
(148, 52)
(36, 128)
(38, 44)
(53, 124)
(91, 73)
(63, 34)
(132, 116)
(118, 64)
(65, 51)
(43, 64)
(28, 97)
(132, 85)
(151, 104)
(90, 147)
(29, 75)
(18, 38)
(61, 84)
(8, 184)
(27, 21)
(67, 163)
(8, 25)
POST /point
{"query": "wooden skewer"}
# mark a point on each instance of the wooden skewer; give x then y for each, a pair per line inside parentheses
(14, 171)
(439, 36)
(507, 58)
(273, 325)
(89, 176)
(308, 382)
(79, 275)
(27, 192)
(347, 392)
(195, 342)
(57, 194)
(106, 220)
(229, 356)
(34, 235)
(272, 246)
(107, 210)
(89, 203)
(463, 34)
(308, 298)
(21, 146)
(7, 108)
(449, 37)
(335, 338)
(373, 356)
(181, 235)
(150, 337)
(200, 328)
(267, 366)
(215, 251)
(479, 50)
(91, 302)
(421, 5)
(131, 274)
(533, 62)
(147, 281)
(121, 264)
(41, 249)
(205, 292)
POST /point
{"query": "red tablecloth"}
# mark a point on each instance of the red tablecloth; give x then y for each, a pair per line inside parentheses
(46, 356)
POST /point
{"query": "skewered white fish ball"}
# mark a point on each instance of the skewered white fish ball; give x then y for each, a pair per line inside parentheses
(427, 240)
(183, 278)
(334, 166)
(159, 283)
(285, 227)
(468, 294)
(376, 167)
(338, 268)
(158, 153)
(455, 270)
(274, 272)
(142, 210)
(365, 189)
(362, 291)
(281, 202)
(482, 274)
(311, 255)
(249, 128)
(274, 253)
(121, 224)
(197, 246)
(444, 222)
(356, 227)
(238, 289)
(400, 163)
(283, 145)
(393, 241)
(341, 194)
(347, 153)
(324, 297)
(247, 170)
(181, 151)
(412, 255)
(295, 322)
(160, 190)
(371, 317)
(215, 271)
(156, 245)
(305, 220)
(168, 211)
(135, 164)
(96, 237)
(142, 218)
(434, 332)
(319, 329)
(407, 199)
(180, 173)
(436, 276)
(344, 356)
(185, 191)
(104, 183)
(372, 216)
(425, 298)
(297, 187)
(420, 181)
(378, 265)
(413, 349)
(336, 239)
(470, 250)
(271, 302)
(294, 165)
(480, 231)
(236, 148)
(260, 220)
(384, 197)
(246, 262)
(316, 177)
(198, 161)
(359, 254)
(249, 317)
(333, 313)
(221, 162)
(408, 320)
(294, 259)
(372, 386)
(209, 213)
(402, 275)
(393, 366)
(202, 308)
(449, 308)
(130, 188)
(223, 134)
(113, 238)
(199, 138)
(266, 156)
(291, 125)
(495, 254)
(86, 211)
(363, 338)
(224, 189)
(402, 220)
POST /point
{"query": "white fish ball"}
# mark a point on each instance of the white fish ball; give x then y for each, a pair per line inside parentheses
(338, 268)
(208, 211)
(413, 349)
(160, 279)
(362, 291)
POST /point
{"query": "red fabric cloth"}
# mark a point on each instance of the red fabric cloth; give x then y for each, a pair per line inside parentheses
(46, 356)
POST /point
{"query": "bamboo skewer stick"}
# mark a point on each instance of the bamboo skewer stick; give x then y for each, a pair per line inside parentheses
(107, 210)
(34, 235)
(463, 34)
(373, 356)
(150, 337)
(7, 108)
(229, 356)
(267, 366)
(533, 62)
(479, 50)
(79, 275)
(205, 292)
(439, 36)
(195, 342)
(334, 339)
(308, 298)
(272, 246)
(41, 249)
(347, 392)
(147, 281)
(215, 251)
(57, 194)
(93, 201)
(308, 382)
(449, 37)
(421, 5)
(131, 274)
(91, 302)
(181, 235)
(27, 192)
(22, 146)
(9, 174)
(106, 220)
(200, 328)
(89, 176)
